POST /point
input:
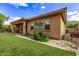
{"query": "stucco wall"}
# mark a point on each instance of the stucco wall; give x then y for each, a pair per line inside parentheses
(55, 27)
(62, 27)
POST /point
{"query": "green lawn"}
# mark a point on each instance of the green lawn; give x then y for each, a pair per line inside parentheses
(15, 46)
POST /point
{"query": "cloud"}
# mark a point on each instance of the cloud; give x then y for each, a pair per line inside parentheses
(19, 4)
(43, 7)
(73, 16)
(11, 20)
(6, 23)
(72, 13)
(15, 18)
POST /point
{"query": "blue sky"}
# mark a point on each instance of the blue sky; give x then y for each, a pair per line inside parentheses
(28, 10)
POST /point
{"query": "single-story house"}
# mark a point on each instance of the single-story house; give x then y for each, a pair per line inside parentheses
(52, 24)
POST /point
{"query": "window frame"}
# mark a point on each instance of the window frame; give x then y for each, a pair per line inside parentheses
(42, 26)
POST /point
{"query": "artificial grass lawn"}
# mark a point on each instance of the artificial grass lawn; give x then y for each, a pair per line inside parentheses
(14, 46)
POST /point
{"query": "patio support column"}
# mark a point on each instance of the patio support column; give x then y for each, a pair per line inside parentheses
(43, 25)
(12, 29)
(20, 28)
(15, 27)
(24, 28)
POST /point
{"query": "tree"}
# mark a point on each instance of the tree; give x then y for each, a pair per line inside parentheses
(76, 25)
(5, 28)
(2, 19)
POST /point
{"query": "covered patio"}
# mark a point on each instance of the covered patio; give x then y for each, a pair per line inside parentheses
(19, 26)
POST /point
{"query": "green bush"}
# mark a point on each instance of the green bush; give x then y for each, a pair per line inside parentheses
(40, 37)
(35, 35)
(4, 28)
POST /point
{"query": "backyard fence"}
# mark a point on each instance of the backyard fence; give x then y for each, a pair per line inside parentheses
(72, 35)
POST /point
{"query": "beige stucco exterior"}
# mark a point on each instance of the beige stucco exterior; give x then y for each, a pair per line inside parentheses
(63, 27)
(57, 24)
(55, 27)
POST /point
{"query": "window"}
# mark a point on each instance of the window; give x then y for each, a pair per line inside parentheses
(38, 25)
(41, 25)
(32, 26)
(47, 24)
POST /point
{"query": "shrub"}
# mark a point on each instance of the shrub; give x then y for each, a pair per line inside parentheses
(40, 37)
(35, 35)
(45, 38)
(4, 28)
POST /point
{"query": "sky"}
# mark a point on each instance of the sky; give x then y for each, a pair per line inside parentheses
(28, 10)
